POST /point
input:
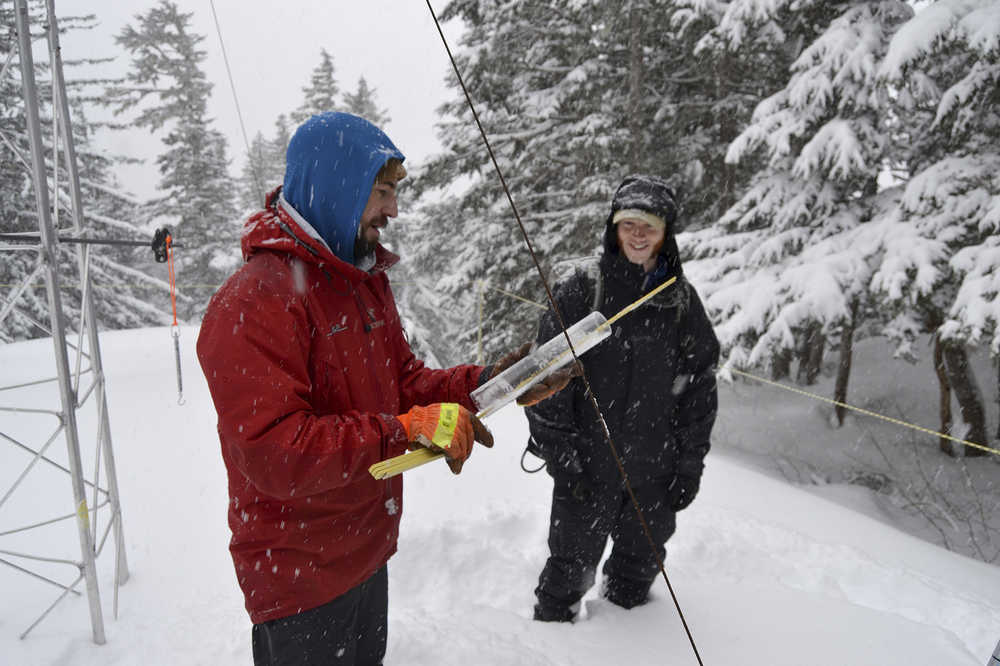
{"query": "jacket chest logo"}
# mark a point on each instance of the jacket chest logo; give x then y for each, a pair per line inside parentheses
(371, 323)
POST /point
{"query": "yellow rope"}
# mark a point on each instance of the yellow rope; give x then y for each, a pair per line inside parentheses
(520, 298)
(865, 411)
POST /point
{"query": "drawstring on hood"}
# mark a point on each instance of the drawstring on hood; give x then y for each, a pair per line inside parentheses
(332, 161)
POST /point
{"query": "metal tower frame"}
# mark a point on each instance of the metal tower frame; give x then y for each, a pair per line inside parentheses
(74, 397)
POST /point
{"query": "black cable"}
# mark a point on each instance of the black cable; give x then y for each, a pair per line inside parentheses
(236, 101)
(555, 309)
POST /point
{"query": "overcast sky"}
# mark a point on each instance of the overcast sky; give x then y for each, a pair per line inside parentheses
(272, 49)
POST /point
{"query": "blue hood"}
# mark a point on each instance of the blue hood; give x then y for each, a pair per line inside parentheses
(332, 161)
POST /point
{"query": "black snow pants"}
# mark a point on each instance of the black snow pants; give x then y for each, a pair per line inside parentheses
(349, 630)
(583, 517)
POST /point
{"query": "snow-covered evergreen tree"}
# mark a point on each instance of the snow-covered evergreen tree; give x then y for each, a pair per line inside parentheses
(17, 202)
(278, 147)
(129, 289)
(940, 272)
(362, 103)
(574, 96)
(787, 262)
(321, 93)
(735, 54)
(168, 88)
(570, 95)
(252, 187)
(264, 168)
(123, 292)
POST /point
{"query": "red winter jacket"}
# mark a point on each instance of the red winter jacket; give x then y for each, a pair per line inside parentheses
(307, 364)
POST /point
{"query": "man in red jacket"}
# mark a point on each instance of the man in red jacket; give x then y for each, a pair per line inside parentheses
(314, 381)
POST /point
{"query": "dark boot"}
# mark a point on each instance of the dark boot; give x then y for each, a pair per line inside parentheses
(578, 529)
(625, 593)
(546, 613)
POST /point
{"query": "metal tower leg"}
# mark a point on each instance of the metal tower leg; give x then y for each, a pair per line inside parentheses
(87, 306)
(50, 261)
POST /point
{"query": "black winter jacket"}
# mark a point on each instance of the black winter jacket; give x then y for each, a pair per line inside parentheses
(654, 378)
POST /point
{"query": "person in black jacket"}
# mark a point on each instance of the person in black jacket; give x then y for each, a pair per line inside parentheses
(654, 380)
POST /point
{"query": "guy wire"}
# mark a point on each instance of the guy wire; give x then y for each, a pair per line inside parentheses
(236, 101)
(562, 324)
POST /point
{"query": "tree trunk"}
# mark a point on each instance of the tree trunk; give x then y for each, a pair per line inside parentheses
(844, 367)
(729, 128)
(781, 365)
(944, 401)
(816, 350)
(970, 400)
(998, 398)
(635, 118)
(811, 354)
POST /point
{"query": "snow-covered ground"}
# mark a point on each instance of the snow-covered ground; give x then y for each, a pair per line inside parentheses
(892, 473)
(767, 573)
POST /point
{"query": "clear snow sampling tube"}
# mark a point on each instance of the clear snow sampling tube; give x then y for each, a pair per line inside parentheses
(513, 382)
(510, 384)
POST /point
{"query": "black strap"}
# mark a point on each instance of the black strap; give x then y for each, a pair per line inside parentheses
(530, 471)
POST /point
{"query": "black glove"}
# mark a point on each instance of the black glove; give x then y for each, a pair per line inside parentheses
(681, 491)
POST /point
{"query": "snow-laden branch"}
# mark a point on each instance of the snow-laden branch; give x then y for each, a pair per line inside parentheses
(910, 263)
(975, 20)
(836, 147)
(977, 305)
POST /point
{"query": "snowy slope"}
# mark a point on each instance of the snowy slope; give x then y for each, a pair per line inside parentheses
(766, 573)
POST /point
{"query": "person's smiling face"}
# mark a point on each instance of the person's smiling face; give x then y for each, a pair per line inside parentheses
(640, 241)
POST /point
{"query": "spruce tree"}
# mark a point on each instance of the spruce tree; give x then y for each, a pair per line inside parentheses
(550, 83)
(788, 265)
(321, 93)
(574, 96)
(168, 89)
(129, 289)
(362, 103)
(733, 57)
(252, 187)
(264, 168)
(16, 199)
(941, 259)
(122, 290)
(278, 146)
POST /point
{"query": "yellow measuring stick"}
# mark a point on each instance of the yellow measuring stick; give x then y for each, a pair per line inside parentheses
(422, 456)
(399, 464)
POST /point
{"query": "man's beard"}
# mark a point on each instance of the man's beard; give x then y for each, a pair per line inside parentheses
(363, 248)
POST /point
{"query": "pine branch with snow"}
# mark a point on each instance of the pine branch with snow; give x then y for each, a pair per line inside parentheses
(946, 64)
(822, 142)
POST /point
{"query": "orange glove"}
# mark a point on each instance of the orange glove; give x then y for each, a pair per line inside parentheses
(447, 427)
(549, 386)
